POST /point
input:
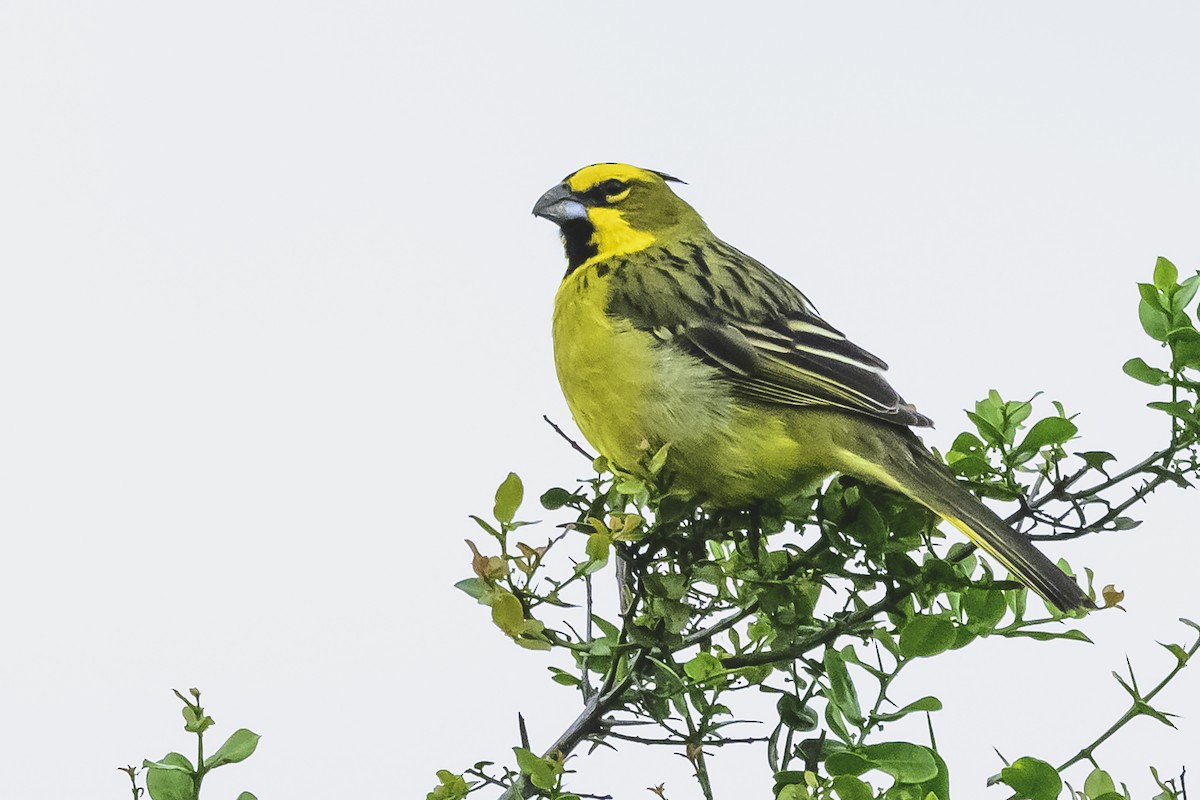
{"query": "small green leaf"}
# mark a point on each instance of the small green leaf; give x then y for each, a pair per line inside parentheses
(508, 498)
(1165, 275)
(984, 608)
(475, 587)
(1139, 370)
(1187, 290)
(927, 703)
(1145, 709)
(836, 723)
(246, 796)
(1098, 782)
(487, 526)
(1031, 779)
(555, 498)
(1096, 459)
(703, 666)
(1180, 654)
(847, 762)
(1155, 322)
(171, 761)
(1046, 636)
(1185, 348)
(170, 778)
(1048, 431)
(1150, 296)
(907, 763)
(1179, 408)
(841, 687)
(542, 772)
(562, 677)
(238, 747)
(795, 714)
(926, 636)
(990, 433)
(848, 787)
(597, 550)
(508, 613)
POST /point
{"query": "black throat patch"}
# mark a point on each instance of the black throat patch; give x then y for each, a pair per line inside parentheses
(577, 241)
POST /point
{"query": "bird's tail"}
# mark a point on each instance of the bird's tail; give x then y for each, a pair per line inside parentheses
(914, 471)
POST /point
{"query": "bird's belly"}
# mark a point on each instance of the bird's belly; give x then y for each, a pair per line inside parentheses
(631, 394)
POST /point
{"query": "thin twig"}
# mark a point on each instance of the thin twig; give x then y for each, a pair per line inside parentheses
(574, 444)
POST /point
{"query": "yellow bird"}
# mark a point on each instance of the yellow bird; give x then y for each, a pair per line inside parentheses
(664, 335)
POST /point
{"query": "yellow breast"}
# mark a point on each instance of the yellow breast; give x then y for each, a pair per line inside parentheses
(631, 393)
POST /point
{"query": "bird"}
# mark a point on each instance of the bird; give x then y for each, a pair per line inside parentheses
(669, 340)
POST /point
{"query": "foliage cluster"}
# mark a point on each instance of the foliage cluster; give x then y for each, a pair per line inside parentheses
(174, 776)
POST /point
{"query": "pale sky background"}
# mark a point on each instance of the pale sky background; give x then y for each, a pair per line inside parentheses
(274, 318)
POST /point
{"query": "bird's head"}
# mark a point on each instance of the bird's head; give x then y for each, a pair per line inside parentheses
(608, 210)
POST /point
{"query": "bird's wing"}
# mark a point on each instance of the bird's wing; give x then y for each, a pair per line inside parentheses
(799, 361)
(768, 340)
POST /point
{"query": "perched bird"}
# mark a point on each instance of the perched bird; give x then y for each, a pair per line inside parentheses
(664, 335)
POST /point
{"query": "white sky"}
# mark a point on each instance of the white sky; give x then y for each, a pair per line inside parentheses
(274, 320)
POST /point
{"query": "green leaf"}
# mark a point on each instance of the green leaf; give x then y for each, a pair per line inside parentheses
(848, 787)
(990, 433)
(246, 796)
(1155, 322)
(194, 722)
(562, 677)
(541, 772)
(794, 791)
(555, 498)
(1145, 709)
(238, 747)
(508, 613)
(984, 608)
(1178, 408)
(1165, 275)
(907, 763)
(847, 762)
(1048, 431)
(1098, 782)
(703, 666)
(1139, 370)
(171, 761)
(170, 778)
(795, 714)
(926, 636)
(1185, 347)
(487, 526)
(841, 687)
(475, 587)
(508, 498)
(1046, 636)
(835, 722)
(1096, 459)
(597, 550)
(927, 703)
(1185, 293)
(1149, 295)
(1180, 654)
(1031, 779)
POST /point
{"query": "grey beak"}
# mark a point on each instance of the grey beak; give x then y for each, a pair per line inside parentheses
(559, 206)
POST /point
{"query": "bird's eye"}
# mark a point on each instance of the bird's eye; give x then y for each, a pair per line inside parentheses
(607, 192)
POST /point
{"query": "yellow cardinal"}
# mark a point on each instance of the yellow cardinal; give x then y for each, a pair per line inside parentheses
(664, 335)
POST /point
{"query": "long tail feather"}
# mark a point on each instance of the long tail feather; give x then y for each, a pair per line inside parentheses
(915, 472)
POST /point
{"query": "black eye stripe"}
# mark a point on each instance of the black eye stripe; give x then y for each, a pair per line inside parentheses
(600, 193)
